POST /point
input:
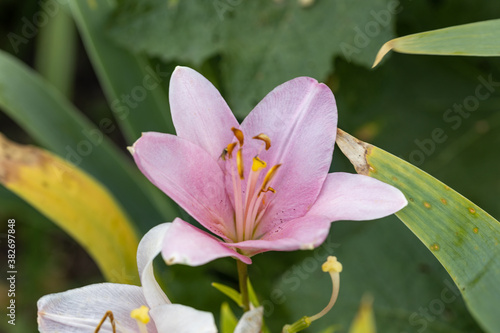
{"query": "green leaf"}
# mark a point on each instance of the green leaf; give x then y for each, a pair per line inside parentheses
(77, 203)
(462, 236)
(136, 95)
(55, 124)
(228, 291)
(133, 87)
(261, 43)
(56, 49)
(252, 295)
(474, 39)
(168, 29)
(228, 320)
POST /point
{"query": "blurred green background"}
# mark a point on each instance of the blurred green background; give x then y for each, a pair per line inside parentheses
(246, 48)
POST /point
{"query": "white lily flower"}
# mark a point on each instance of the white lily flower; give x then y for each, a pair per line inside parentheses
(134, 309)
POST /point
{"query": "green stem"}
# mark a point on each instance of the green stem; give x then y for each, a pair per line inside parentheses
(298, 326)
(243, 277)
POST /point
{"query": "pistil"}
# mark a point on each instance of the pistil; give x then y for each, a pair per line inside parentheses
(333, 267)
(141, 315)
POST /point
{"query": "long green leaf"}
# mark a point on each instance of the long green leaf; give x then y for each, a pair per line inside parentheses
(281, 36)
(474, 39)
(55, 124)
(56, 50)
(462, 236)
(76, 202)
(132, 86)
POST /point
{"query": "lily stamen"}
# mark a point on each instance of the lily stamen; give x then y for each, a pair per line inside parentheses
(269, 175)
(238, 209)
(248, 206)
(239, 135)
(265, 138)
(109, 315)
(269, 189)
(239, 163)
(230, 148)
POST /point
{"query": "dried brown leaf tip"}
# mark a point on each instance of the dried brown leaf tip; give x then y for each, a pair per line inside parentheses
(355, 150)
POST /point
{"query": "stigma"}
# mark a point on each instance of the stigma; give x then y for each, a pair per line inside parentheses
(141, 315)
(249, 206)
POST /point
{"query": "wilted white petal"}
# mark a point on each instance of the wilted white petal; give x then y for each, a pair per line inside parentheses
(182, 319)
(251, 322)
(80, 310)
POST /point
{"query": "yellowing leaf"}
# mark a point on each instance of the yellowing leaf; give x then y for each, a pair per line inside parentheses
(75, 202)
(364, 322)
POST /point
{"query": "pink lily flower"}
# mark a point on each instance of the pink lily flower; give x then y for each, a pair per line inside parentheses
(259, 186)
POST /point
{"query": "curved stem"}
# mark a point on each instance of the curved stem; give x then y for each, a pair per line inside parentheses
(243, 277)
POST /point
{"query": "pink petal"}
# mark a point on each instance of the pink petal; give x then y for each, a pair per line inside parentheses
(300, 118)
(188, 175)
(182, 319)
(149, 247)
(305, 233)
(80, 310)
(199, 112)
(186, 244)
(348, 196)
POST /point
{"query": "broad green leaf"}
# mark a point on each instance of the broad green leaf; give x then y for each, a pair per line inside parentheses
(229, 292)
(182, 30)
(474, 39)
(228, 320)
(261, 43)
(75, 202)
(364, 322)
(462, 236)
(55, 124)
(133, 86)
